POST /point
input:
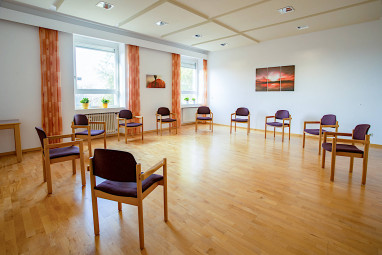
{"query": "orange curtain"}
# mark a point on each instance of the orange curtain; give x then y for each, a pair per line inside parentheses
(50, 82)
(205, 81)
(132, 78)
(176, 87)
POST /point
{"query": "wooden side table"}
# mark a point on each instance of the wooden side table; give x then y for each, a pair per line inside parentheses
(15, 125)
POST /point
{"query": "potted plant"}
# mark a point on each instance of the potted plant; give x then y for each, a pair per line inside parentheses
(85, 103)
(105, 102)
(193, 100)
(187, 99)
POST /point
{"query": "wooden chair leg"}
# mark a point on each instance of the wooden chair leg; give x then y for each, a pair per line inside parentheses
(48, 176)
(364, 169)
(248, 127)
(104, 140)
(157, 126)
(196, 125)
(319, 144)
(283, 135)
(142, 131)
(140, 222)
(212, 125)
(90, 147)
(74, 166)
(274, 132)
(161, 128)
(289, 132)
(235, 126)
(119, 206)
(43, 167)
(333, 168)
(303, 140)
(176, 127)
(82, 165)
(118, 131)
(230, 128)
(351, 164)
(95, 213)
(323, 158)
(265, 129)
(125, 135)
(165, 204)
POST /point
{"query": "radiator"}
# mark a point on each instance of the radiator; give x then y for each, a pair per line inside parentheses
(109, 117)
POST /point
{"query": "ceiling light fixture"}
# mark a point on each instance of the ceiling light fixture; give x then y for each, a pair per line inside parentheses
(302, 27)
(224, 44)
(197, 35)
(286, 9)
(161, 23)
(105, 5)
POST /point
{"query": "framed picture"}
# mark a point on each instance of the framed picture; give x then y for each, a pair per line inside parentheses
(280, 78)
(154, 81)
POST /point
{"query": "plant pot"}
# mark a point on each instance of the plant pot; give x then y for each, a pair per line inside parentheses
(104, 105)
(187, 101)
(85, 105)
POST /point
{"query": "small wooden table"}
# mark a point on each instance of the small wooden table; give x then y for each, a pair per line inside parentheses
(15, 125)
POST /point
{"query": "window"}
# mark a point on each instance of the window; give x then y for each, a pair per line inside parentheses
(189, 81)
(96, 72)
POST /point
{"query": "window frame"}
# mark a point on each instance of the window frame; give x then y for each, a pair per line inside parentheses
(99, 45)
(190, 60)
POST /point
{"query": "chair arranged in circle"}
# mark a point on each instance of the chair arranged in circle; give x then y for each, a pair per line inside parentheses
(127, 117)
(81, 121)
(204, 110)
(58, 152)
(125, 183)
(241, 112)
(347, 148)
(164, 116)
(282, 115)
(327, 121)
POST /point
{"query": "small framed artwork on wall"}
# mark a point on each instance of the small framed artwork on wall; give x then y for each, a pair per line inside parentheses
(280, 78)
(154, 81)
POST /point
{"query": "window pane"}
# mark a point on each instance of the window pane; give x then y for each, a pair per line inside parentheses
(188, 79)
(95, 69)
(95, 100)
(190, 97)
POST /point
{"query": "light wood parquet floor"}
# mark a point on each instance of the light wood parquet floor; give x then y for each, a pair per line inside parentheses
(228, 194)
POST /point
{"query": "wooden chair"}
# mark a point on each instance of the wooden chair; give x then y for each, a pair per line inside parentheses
(280, 115)
(242, 111)
(81, 121)
(327, 121)
(204, 110)
(125, 183)
(346, 147)
(59, 152)
(127, 117)
(171, 119)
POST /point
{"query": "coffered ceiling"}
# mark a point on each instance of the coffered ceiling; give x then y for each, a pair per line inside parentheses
(218, 24)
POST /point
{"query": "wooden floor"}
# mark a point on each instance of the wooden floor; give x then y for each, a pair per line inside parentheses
(228, 194)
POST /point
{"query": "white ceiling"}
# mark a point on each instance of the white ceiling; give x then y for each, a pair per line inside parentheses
(233, 22)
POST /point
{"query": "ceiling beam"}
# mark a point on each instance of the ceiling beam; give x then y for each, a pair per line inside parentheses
(151, 7)
(58, 4)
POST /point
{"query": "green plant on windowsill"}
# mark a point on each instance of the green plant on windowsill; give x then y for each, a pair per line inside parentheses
(194, 100)
(186, 99)
(85, 102)
(105, 102)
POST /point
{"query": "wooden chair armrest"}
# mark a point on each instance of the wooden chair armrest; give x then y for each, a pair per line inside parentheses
(333, 126)
(267, 117)
(337, 134)
(118, 118)
(312, 122)
(64, 144)
(97, 122)
(290, 118)
(349, 141)
(173, 113)
(138, 117)
(153, 169)
(80, 126)
(59, 136)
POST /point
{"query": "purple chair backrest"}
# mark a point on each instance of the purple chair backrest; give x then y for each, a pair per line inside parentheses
(360, 131)
(164, 111)
(41, 134)
(126, 114)
(282, 114)
(329, 119)
(204, 110)
(242, 111)
(113, 165)
(80, 119)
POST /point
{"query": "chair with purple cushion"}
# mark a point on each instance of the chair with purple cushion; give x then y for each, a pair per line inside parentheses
(124, 183)
(241, 112)
(164, 116)
(204, 111)
(127, 117)
(59, 152)
(81, 121)
(281, 115)
(327, 121)
(347, 148)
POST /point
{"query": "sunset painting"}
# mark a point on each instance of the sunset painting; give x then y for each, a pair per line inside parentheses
(154, 81)
(280, 78)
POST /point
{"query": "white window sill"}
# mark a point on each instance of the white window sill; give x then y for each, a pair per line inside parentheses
(190, 105)
(99, 110)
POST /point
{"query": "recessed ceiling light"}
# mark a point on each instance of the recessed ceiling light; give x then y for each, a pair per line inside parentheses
(223, 44)
(161, 23)
(302, 27)
(105, 5)
(286, 9)
(197, 36)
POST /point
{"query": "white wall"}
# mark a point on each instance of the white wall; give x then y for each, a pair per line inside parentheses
(337, 71)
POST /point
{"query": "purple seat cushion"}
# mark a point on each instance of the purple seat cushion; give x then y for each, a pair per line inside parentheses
(314, 131)
(240, 120)
(204, 118)
(92, 132)
(168, 120)
(127, 189)
(131, 124)
(277, 124)
(342, 148)
(63, 152)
